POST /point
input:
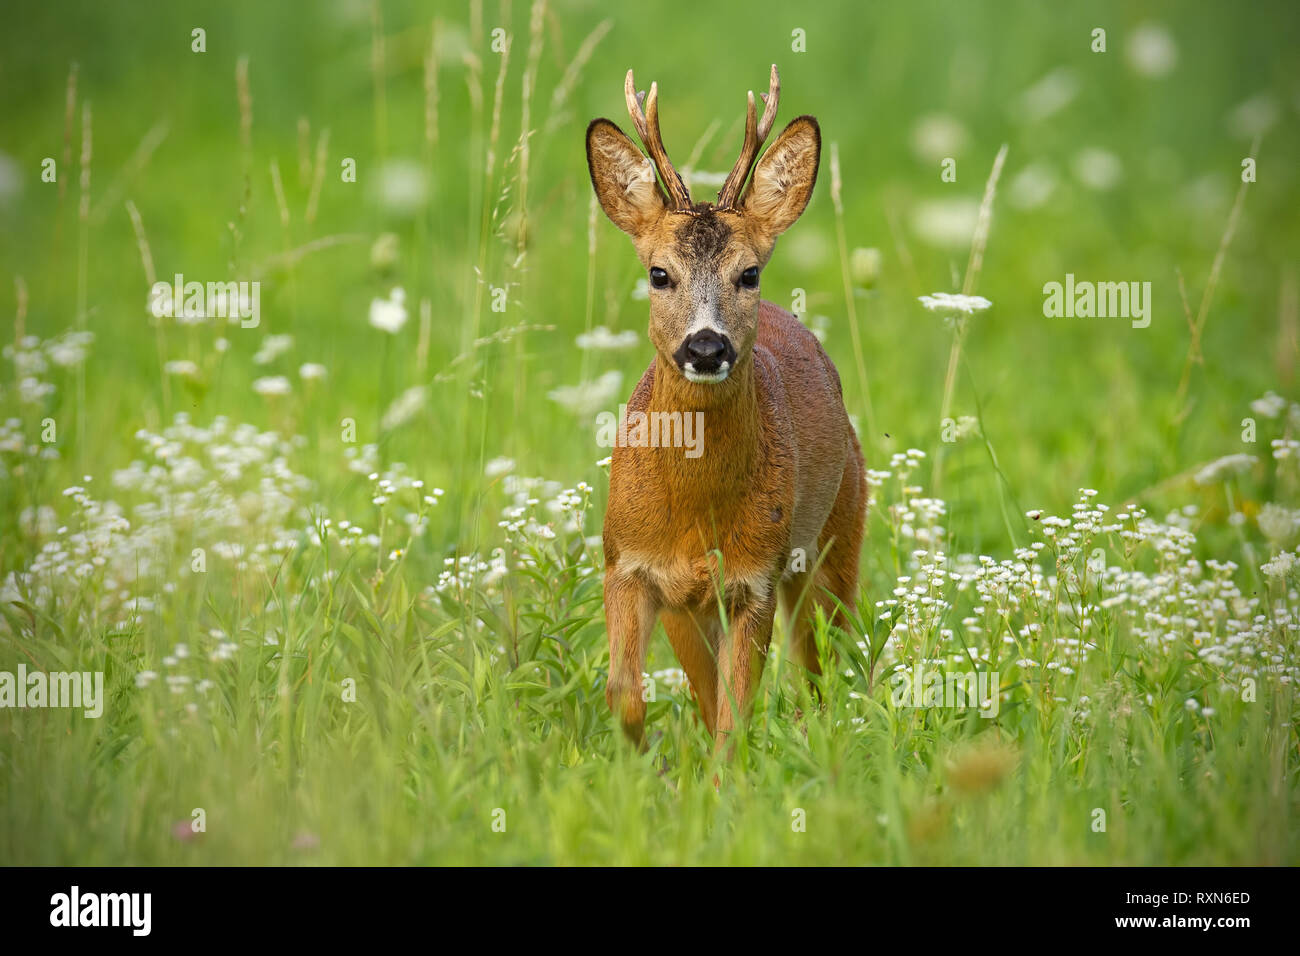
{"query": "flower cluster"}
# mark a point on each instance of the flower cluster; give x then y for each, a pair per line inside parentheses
(1038, 617)
(33, 359)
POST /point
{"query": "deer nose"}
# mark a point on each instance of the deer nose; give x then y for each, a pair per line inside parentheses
(707, 353)
(705, 349)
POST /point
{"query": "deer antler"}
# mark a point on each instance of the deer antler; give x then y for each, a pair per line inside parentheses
(755, 135)
(647, 127)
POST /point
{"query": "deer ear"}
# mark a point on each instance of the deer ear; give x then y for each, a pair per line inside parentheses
(784, 178)
(623, 177)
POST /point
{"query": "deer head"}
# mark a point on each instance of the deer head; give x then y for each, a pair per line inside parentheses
(704, 259)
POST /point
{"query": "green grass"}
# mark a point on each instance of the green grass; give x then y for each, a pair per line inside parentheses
(360, 710)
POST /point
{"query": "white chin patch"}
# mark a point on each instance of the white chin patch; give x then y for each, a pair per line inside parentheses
(708, 378)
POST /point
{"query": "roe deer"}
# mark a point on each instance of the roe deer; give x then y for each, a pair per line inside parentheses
(781, 467)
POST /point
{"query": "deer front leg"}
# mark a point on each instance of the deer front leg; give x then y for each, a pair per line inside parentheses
(740, 664)
(694, 637)
(629, 619)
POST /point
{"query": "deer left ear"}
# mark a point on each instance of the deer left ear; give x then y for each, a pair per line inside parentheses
(783, 179)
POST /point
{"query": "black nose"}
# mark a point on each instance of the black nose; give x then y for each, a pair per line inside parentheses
(705, 350)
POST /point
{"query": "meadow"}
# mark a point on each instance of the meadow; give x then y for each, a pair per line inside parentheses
(339, 562)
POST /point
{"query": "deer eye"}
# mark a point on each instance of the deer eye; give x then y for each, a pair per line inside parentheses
(749, 278)
(658, 278)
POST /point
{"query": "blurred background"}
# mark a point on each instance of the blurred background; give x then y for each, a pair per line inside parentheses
(1122, 165)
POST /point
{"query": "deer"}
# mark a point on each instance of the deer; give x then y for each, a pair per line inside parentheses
(707, 545)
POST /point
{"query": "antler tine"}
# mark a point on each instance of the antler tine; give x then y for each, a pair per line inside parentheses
(644, 110)
(756, 133)
(771, 98)
(634, 105)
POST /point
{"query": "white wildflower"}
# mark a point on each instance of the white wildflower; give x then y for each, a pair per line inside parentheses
(587, 398)
(1221, 468)
(499, 466)
(402, 186)
(1277, 522)
(601, 338)
(1151, 50)
(389, 315)
(946, 223)
(937, 136)
(271, 385)
(1270, 406)
(405, 407)
(1280, 565)
(948, 302)
(1098, 169)
(1254, 116)
(865, 265)
(69, 349)
(182, 367)
(273, 346)
(1049, 95)
(1032, 186)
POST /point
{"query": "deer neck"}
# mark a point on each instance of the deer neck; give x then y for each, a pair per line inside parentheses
(731, 449)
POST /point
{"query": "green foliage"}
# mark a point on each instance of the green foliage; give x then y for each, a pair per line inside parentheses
(353, 650)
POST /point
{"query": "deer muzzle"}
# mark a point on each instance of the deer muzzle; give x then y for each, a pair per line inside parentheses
(705, 356)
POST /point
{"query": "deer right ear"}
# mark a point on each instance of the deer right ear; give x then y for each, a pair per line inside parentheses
(623, 177)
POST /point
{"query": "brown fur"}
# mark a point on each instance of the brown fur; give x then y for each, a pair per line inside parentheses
(692, 541)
